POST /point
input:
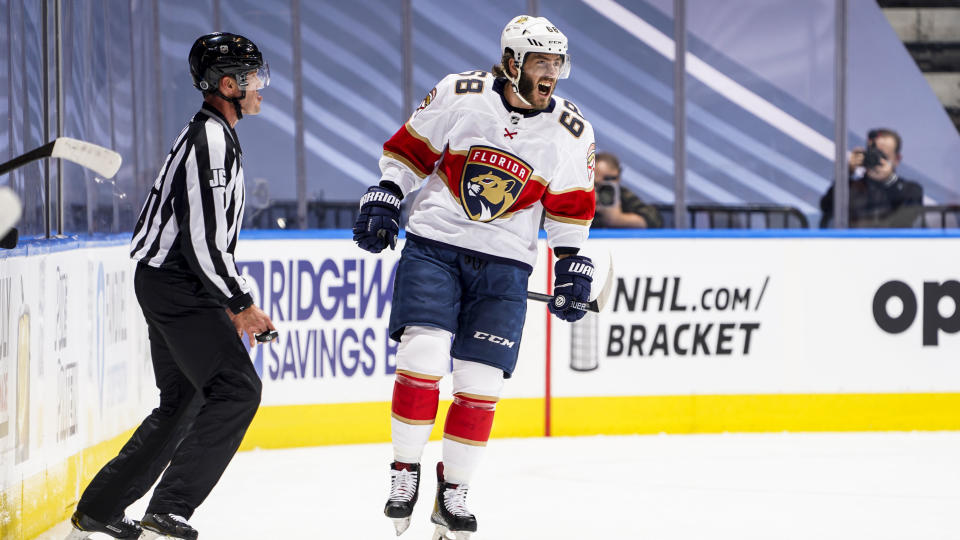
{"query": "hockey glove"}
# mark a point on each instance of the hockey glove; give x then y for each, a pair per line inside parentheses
(571, 287)
(378, 223)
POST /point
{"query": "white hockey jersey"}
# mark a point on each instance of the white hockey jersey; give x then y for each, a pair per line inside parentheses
(487, 170)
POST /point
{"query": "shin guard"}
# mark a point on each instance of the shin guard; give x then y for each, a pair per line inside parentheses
(470, 419)
(415, 398)
(414, 411)
(465, 436)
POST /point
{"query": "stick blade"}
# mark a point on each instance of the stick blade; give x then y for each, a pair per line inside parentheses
(10, 209)
(601, 300)
(103, 161)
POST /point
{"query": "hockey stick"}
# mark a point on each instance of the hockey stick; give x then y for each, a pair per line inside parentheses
(98, 159)
(9, 210)
(595, 305)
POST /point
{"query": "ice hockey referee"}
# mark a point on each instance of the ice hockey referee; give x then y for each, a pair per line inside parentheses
(197, 307)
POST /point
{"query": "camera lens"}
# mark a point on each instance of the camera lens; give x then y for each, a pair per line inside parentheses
(605, 195)
(872, 157)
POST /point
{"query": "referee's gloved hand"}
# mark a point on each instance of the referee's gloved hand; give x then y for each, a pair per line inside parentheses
(571, 287)
(378, 223)
(251, 321)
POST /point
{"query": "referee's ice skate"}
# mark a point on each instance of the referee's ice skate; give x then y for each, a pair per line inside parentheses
(404, 487)
(84, 526)
(172, 526)
(450, 514)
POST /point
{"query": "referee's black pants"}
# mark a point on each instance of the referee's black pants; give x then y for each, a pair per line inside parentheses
(209, 393)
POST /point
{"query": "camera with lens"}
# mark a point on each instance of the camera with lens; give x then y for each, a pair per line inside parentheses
(873, 156)
(608, 192)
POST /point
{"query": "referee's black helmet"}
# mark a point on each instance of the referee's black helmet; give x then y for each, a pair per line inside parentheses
(220, 54)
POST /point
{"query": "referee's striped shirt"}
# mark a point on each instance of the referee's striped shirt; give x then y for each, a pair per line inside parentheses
(192, 216)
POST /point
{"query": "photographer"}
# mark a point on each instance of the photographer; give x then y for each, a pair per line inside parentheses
(879, 197)
(617, 206)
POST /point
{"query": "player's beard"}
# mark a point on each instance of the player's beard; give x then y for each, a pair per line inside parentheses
(526, 88)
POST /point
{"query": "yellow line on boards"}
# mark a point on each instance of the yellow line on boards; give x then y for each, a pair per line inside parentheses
(286, 426)
(755, 413)
(353, 423)
(42, 500)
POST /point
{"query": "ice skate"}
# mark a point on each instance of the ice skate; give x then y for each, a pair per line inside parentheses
(84, 526)
(404, 487)
(169, 526)
(450, 514)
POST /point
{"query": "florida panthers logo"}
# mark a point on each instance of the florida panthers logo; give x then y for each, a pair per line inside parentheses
(491, 182)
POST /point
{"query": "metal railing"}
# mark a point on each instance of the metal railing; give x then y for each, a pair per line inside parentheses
(748, 216)
(943, 216)
(341, 215)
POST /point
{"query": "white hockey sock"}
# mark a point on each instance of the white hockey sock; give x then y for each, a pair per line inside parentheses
(460, 461)
(409, 440)
(476, 388)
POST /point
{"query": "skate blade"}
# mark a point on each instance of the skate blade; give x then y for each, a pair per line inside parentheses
(401, 524)
(443, 533)
(77, 534)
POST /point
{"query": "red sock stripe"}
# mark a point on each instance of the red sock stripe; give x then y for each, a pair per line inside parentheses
(414, 398)
(470, 419)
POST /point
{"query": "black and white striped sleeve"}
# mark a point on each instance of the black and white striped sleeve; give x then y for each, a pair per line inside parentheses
(207, 231)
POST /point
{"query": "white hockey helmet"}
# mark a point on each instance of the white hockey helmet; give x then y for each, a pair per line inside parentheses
(525, 34)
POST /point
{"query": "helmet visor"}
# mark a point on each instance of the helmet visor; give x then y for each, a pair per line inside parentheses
(260, 79)
(254, 79)
(264, 74)
(565, 70)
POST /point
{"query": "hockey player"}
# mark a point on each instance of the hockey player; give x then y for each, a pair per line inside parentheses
(490, 153)
(196, 305)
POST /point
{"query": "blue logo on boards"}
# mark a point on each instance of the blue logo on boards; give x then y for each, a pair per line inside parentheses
(332, 316)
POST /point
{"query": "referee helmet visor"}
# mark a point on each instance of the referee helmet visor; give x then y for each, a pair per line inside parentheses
(259, 80)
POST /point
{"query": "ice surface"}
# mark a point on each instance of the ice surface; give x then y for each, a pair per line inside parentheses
(734, 486)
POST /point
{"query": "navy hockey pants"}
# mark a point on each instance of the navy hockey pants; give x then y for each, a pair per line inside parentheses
(483, 302)
(209, 392)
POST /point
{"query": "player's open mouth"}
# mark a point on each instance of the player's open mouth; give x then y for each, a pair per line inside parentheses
(544, 88)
